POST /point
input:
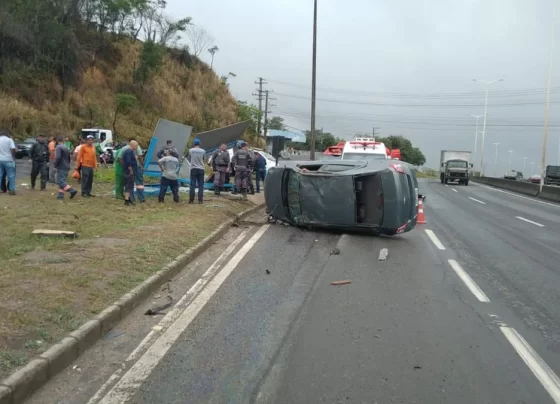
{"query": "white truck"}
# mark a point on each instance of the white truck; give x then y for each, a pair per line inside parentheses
(102, 136)
(364, 148)
(455, 165)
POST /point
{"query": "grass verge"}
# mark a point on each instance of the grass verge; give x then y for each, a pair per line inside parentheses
(50, 286)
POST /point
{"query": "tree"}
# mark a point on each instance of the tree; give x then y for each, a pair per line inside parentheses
(249, 113)
(151, 59)
(213, 51)
(199, 38)
(409, 154)
(123, 104)
(277, 123)
(169, 30)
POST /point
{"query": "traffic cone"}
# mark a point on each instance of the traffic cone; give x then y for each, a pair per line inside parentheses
(421, 219)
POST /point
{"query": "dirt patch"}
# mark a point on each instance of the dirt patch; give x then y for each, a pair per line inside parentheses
(50, 286)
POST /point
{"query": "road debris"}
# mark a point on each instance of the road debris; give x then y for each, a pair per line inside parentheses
(336, 251)
(340, 283)
(157, 328)
(113, 334)
(159, 309)
(267, 271)
(54, 233)
(417, 367)
(383, 254)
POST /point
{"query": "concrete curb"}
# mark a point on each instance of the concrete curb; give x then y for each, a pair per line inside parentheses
(21, 384)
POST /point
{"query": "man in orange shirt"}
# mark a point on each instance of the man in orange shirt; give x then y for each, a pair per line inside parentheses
(87, 163)
(52, 169)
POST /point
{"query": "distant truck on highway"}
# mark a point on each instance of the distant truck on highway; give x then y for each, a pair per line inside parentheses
(454, 165)
(552, 175)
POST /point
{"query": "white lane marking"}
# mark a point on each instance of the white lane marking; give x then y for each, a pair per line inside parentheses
(446, 185)
(538, 366)
(529, 221)
(434, 239)
(468, 281)
(454, 190)
(172, 315)
(476, 200)
(139, 372)
(519, 196)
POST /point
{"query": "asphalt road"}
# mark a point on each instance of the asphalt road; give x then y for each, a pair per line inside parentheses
(465, 309)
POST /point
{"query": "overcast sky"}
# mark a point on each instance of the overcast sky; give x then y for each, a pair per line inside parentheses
(404, 67)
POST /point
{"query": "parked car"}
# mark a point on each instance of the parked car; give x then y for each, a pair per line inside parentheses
(375, 196)
(24, 148)
(535, 179)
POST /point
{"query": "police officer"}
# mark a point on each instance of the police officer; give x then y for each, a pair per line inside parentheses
(220, 165)
(243, 166)
(39, 156)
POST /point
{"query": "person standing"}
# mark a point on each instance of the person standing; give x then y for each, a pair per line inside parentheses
(119, 176)
(260, 170)
(39, 156)
(243, 163)
(220, 166)
(52, 170)
(169, 166)
(8, 160)
(196, 158)
(87, 164)
(62, 160)
(169, 146)
(250, 177)
(129, 163)
(68, 144)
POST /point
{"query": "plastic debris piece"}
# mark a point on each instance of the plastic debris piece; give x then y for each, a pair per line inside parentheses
(336, 251)
(383, 254)
(340, 283)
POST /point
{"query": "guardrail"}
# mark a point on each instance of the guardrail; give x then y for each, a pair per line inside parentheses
(526, 188)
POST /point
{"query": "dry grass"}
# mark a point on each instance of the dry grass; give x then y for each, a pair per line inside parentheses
(192, 96)
(50, 286)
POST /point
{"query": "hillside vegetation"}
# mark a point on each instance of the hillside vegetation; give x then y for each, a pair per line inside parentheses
(70, 64)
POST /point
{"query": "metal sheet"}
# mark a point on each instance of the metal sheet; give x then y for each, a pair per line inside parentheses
(166, 130)
(213, 138)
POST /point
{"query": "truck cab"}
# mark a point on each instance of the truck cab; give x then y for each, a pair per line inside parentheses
(103, 137)
(455, 170)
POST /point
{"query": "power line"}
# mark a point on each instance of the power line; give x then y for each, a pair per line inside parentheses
(387, 104)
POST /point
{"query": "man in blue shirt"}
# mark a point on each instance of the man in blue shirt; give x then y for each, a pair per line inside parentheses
(196, 158)
(130, 165)
(260, 170)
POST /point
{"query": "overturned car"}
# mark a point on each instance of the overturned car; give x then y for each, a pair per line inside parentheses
(375, 196)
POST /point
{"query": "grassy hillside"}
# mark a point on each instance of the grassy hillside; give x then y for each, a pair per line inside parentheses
(183, 90)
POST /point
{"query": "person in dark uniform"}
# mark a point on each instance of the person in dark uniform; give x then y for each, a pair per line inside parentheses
(220, 166)
(243, 166)
(39, 156)
(260, 170)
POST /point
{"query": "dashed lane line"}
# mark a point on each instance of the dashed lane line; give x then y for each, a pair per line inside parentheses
(435, 239)
(476, 200)
(529, 221)
(468, 281)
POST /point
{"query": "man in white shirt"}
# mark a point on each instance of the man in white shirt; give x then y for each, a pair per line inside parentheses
(8, 160)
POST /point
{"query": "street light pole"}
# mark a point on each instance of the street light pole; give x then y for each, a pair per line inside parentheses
(313, 82)
(476, 135)
(487, 84)
(524, 164)
(547, 107)
(510, 154)
(532, 168)
(496, 160)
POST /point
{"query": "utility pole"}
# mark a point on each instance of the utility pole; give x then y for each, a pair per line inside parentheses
(476, 136)
(259, 96)
(313, 82)
(510, 154)
(547, 107)
(487, 84)
(266, 112)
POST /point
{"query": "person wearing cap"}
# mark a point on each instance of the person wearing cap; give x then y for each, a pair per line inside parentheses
(52, 170)
(87, 164)
(62, 160)
(243, 163)
(220, 166)
(39, 155)
(196, 158)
